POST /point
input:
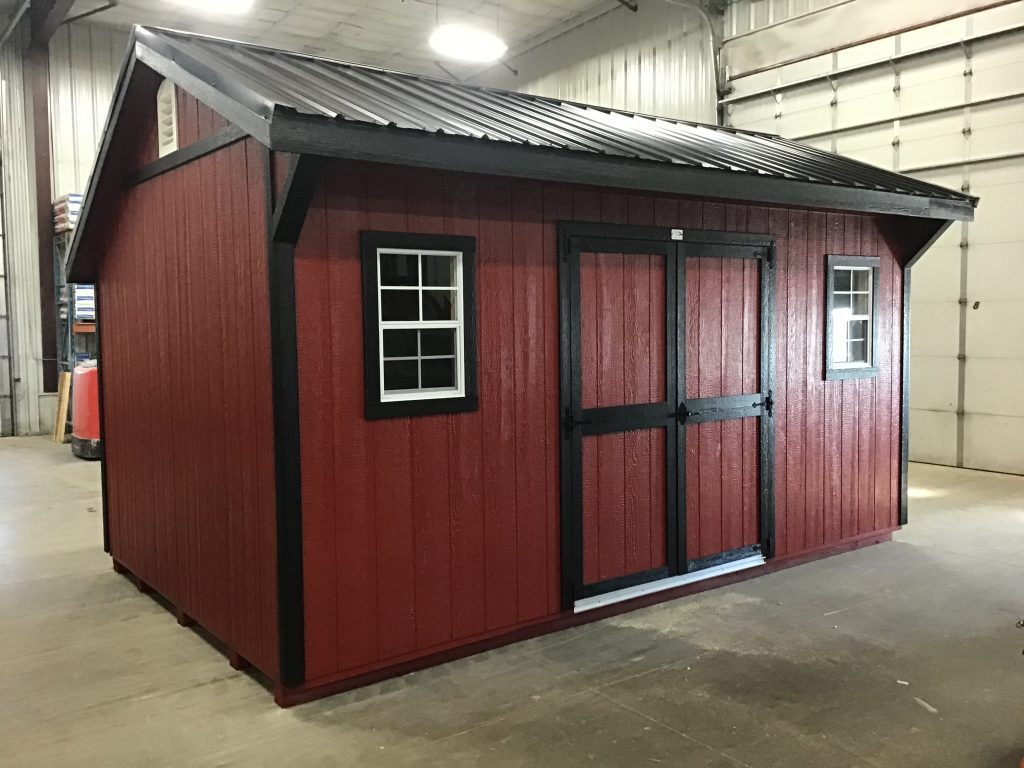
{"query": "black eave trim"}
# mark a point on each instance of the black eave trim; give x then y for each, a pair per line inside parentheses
(294, 132)
(845, 374)
(104, 492)
(222, 138)
(287, 459)
(369, 243)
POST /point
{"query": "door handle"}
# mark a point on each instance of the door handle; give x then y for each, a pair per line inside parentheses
(570, 423)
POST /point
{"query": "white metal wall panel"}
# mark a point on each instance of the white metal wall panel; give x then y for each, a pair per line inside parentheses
(655, 61)
(20, 241)
(742, 16)
(84, 62)
(952, 113)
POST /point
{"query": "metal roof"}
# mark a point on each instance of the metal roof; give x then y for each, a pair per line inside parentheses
(310, 105)
(269, 82)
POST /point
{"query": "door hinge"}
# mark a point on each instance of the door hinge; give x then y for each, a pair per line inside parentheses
(769, 404)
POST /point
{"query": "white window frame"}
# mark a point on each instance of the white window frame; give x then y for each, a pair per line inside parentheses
(844, 321)
(837, 324)
(458, 325)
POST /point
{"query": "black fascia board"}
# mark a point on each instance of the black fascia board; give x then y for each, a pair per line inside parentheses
(294, 132)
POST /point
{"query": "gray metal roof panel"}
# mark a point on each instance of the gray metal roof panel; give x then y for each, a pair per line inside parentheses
(339, 91)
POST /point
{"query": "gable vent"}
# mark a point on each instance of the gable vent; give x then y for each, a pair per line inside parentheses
(167, 117)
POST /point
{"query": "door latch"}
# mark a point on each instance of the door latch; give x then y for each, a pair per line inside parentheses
(570, 423)
(684, 414)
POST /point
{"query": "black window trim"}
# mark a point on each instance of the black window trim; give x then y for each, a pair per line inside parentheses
(843, 260)
(370, 243)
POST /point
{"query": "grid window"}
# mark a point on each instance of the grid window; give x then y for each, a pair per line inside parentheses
(422, 323)
(851, 332)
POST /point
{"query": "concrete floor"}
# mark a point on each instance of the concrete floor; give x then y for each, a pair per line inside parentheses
(903, 654)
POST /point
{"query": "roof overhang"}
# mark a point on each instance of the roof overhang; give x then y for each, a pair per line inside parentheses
(294, 132)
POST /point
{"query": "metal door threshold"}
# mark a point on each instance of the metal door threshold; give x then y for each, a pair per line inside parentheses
(620, 595)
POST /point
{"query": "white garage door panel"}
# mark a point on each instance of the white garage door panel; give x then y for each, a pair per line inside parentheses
(950, 178)
(753, 113)
(988, 276)
(933, 436)
(997, 66)
(931, 140)
(935, 327)
(998, 217)
(880, 155)
(993, 442)
(932, 81)
(937, 276)
(994, 387)
(994, 330)
(933, 383)
(937, 117)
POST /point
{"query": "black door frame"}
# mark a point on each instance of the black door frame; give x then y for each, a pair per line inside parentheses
(575, 238)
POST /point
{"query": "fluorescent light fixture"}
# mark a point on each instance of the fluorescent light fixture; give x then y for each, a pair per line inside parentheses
(466, 43)
(227, 7)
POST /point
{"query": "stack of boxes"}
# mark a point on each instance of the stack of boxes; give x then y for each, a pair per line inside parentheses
(66, 210)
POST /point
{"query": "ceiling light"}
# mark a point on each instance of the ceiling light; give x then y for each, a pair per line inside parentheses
(233, 7)
(466, 43)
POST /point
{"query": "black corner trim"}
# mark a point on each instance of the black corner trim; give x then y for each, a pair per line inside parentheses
(904, 512)
(369, 243)
(104, 486)
(287, 459)
(867, 372)
(215, 141)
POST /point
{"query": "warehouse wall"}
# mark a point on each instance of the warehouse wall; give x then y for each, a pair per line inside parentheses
(655, 61)
(84, 61)
(945, 103)
(33, 409)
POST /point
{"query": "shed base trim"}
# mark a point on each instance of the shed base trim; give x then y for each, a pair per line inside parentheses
(620, 595)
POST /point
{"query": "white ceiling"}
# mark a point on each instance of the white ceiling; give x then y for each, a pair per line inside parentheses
(387, 33)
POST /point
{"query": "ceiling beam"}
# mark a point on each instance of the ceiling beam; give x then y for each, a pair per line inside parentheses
(47, 16)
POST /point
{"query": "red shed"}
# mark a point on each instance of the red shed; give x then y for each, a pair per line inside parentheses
(396, 369)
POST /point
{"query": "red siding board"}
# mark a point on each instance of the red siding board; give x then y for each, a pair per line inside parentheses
(176, 325)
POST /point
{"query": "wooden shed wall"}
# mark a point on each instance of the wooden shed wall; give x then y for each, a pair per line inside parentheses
(187, 403)
(423, 534)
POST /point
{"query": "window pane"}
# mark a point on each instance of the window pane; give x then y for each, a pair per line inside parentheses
(439, 373)
(861, 279)
(399, 305)
(400, 344)
(858, 352)
(841, 303)
(857, 330)
(401, 374)
(440, 342)
(439, 305)
(439, 270)
(842, 279)
(399, 269)
(861, 304)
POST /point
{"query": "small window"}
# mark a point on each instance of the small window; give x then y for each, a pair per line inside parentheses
(419, 324)
(851, 334)
(167, 118)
